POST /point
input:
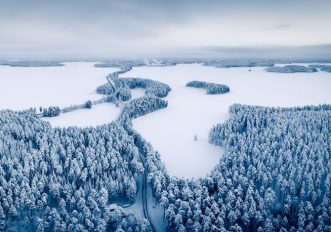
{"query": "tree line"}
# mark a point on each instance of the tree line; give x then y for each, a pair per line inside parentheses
(211, 88)
(291, 69)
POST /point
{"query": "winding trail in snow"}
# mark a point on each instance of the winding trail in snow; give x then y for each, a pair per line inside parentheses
(110, 79)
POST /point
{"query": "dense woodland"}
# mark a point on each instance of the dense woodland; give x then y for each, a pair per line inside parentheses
(51, 111)
(151, 87)
(275, 175)
(217, 63)
(105, 89)
(156, 88)
(212, 88)
(140, 62)
(322, 67)
(228, 63)
(54, 179)
(141, 106)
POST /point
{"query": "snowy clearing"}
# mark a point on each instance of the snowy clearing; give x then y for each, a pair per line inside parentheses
(137, 92)
(97, 115)
(74, 83)
(192, 112)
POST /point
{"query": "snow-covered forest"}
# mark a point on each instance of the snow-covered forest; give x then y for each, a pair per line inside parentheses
(325, 68)
(64, 179)
(291, 69)
(274, 174)
(154, 116)
(212, 88)
(151, 87)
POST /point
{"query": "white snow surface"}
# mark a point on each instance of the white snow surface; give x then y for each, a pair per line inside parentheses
(137, 92)
(137, 208)
(74, 83)
(97, 115)
(191, 111)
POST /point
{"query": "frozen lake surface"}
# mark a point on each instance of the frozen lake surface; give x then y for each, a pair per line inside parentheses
(97, 115)
(74, 83)
(192, 112)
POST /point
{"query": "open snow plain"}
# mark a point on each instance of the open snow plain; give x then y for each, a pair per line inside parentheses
(97, 115)
(74, 83)
(192, 112)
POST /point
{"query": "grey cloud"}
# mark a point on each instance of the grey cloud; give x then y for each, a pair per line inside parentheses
(149, 27)
(281, 26)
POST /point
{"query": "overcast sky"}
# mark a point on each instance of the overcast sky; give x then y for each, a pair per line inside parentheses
(122, 28)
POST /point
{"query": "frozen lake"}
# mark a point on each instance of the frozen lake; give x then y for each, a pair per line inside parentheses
(97, 115)
(74, 83)
(192, 112)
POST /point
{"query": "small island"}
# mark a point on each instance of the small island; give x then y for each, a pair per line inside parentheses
(211, 88)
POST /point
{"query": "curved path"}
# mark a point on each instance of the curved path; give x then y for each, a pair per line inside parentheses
(110, 79)
(145, 202)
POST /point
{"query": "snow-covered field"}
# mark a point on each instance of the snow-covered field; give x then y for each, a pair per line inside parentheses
(97, 115)
(74, 83)
(191, 111)
(137, 92)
